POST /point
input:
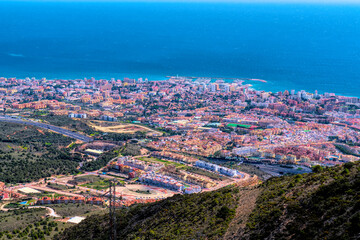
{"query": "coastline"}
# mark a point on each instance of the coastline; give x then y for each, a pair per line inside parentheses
(257, 83)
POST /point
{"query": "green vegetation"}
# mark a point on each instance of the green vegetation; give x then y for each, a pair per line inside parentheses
(101, 161)
(195, 216)
(83, 126)
(345, 150)
(32, 167)
(94, 181)
(238, 125)
(22, 137)
(321, 205)
(78, 125)
(12, 219)
(12, 205)
(28, 153)
(143, 192)
(123, 136)
(28, 224)
(87, 178)
(127, 150)
(44, 194)
(131, 150)
(165, 162)
(98, 185)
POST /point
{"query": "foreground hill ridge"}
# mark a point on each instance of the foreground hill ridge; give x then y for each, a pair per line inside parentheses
(320, 205)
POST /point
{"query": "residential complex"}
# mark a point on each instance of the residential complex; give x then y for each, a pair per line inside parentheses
(216, 168)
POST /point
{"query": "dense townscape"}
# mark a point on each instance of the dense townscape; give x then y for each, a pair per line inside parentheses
(205, 116)
(179, 120)
(159, 138)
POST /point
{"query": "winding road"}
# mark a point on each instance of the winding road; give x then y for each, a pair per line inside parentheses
(59, 130)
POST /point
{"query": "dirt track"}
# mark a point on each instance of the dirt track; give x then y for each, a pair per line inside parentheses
(123, 128)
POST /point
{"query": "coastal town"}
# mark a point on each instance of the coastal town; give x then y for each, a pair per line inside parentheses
(190, 134)
(204, 117)
(179, 119)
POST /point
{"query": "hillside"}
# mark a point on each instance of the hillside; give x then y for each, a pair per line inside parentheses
(320, 205)
(193, 216)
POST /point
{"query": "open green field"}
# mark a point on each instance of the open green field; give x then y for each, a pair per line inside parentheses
(94, 182)
(165, 162)
(98, 185)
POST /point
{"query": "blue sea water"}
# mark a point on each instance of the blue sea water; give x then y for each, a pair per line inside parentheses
(292, 46)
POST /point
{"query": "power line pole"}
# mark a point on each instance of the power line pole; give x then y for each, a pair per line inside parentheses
(112, 207)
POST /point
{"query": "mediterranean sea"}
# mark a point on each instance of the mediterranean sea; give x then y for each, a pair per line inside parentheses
(292, 46)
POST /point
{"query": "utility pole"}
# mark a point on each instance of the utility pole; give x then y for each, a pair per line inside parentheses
(112, 207)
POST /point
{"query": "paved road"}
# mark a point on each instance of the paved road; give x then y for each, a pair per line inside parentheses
(60, 130)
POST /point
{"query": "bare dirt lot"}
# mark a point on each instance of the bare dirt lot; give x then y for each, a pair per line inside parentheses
(142, 191)
(122, 128)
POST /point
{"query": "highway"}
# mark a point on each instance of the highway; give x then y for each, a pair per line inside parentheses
(59, 130)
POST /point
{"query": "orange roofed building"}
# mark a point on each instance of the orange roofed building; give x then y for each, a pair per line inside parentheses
(95, 201)
(45, 200)
(77, 200)
(62, 199)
